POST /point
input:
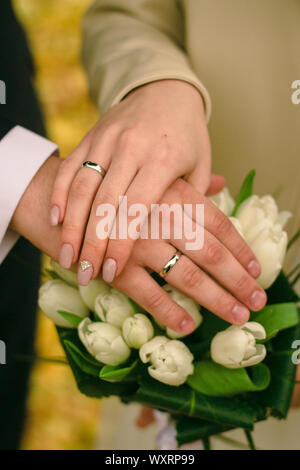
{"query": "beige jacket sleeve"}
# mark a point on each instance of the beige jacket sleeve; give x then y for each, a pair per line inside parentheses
(128, 43)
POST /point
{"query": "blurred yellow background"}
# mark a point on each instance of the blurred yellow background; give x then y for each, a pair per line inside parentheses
(59, 416)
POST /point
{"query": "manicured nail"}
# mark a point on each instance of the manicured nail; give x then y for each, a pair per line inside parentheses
(258, 299)
(240, 314)
(54, 216)
(66, 255)
(187, 325)
(85, 273)
(254, 268)
(109, 270)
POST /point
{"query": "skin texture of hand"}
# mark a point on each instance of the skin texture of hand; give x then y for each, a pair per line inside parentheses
(30, 220)
(157, 134)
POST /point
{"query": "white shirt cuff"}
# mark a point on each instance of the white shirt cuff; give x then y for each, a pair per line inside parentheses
(22, 153)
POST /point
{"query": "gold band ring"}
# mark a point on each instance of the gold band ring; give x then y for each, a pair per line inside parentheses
(170, 264)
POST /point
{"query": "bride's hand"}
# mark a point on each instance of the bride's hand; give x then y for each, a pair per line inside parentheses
(215, 276)
(157, 134)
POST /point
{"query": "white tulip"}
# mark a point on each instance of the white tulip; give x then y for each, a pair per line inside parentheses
(104, 342)
(113, 307)
(269, 248)
(90, 292)
(137, 330)
(224, 201)
(257, 213)
(65, 274)
(236, 346)
(171, 361)
(57, 295)
(262, 227)
(188, 304)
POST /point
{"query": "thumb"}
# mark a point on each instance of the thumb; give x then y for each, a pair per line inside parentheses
(217, 183)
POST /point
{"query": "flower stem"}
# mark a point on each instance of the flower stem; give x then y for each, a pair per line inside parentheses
(206, 443)
(250, 440)
(295, 280)
(293, 271)
(50, 360)
(293, 239)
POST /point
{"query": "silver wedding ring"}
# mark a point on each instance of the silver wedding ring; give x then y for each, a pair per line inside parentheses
(94, 166)
(170, 264)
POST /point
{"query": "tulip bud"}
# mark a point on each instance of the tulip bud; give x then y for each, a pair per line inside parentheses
(104, 342)
(188, 304)
(171, 360)
(64, 274)
(137, 330)
(236, 346)
(113, 307)
(262, 228)
(237, 225)
(224, 201)
(57, 295)
(90, 292)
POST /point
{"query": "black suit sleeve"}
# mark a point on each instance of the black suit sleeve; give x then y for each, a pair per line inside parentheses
(5, 126)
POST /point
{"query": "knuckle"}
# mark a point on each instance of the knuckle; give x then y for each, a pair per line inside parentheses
(129, 138)
(243, 285)
(192, 276)
(80, 187)
(92, 245)
(214, 253)
(156, 300)
(106, 197)
(221, 224)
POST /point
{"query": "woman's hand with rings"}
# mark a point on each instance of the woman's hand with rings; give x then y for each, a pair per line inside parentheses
(157, 134)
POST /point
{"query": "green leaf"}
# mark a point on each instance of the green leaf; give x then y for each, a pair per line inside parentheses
(53, 274)
(190, 429)
(281, 291)
(215, 380)
(84, 361)
(118, 373)
(245, 192)
(236, 411)
(90, 385)
(277, 317)
(75, 320)
(277, 396)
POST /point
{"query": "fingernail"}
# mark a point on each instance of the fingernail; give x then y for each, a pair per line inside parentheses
(254, 268)
(187, 325)
(66, 255)
(240, 314)
(54, 216)
(109, 270)
(85, 273)
(258, 299)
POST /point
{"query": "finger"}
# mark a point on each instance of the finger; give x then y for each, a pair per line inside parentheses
(146, 189)
(217, 183)
(201, 175)
(215, 259)
(65, 175)
(101, 219)
(221, 227)
(81, 196)
(140, 286)
(194, 282)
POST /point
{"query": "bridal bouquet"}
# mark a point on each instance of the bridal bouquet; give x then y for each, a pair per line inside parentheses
(216, 379)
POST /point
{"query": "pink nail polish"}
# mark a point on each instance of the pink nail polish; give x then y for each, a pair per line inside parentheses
(66, 255)
(254, 268)
(258, 299)
(187, 325)
(54, 216)
(109, 270)
(240, 314)
(85, 273)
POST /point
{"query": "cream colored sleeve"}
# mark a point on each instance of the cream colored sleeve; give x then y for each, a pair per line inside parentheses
(128, 43)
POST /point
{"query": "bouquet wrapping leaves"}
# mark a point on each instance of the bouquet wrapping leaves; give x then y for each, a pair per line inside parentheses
(216, 379)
